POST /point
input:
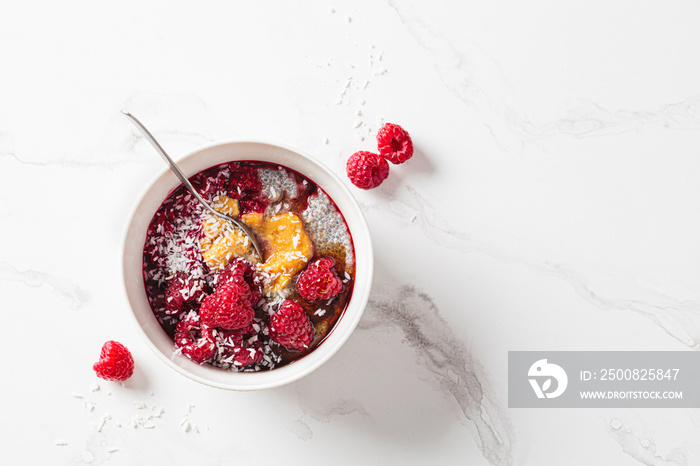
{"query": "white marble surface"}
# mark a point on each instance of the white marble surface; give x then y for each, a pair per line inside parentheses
(551, 205)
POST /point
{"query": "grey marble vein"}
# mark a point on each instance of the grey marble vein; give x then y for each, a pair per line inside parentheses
(643, 449)
(67, 163)
(6, 144)
(447, 358)
(183, 117)
(180, 121)
(76, 296)
(340, 407)
(587, 118)
(301, 429)
(476, 79)
(680, 319)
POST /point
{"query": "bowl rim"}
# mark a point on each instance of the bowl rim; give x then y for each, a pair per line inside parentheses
(288, 373)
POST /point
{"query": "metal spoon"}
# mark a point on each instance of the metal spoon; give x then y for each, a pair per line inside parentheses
(186, 183)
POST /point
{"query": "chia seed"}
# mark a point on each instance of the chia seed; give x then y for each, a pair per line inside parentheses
(172, 247)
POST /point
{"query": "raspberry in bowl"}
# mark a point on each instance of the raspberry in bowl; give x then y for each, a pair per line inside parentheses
(215, 311)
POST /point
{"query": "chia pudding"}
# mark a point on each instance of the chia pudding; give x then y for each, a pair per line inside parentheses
(216, 299)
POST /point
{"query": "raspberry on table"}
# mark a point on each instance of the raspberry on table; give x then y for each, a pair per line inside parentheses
(230, 307)
(291, 327)
(319, 281)
(195, 339)
(116, 362)
(367, 170)
(394, 143)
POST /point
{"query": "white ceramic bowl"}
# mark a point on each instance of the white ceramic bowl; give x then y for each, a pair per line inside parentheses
(135, 238)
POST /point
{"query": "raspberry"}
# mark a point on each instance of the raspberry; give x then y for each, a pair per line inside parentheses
(240, 348)
(230, 307)
(182, 288)
(319, 281)
(116, 362)
(394, 143)
(248, 355)
(195, 339)
(249, 204)
(247, 271)
(367, 170)
(291, 327)
(245, 185)
(244, 179)
(160, 224)
(209, 183)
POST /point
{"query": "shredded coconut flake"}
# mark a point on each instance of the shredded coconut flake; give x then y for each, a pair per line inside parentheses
(173, 246)
(103, 421)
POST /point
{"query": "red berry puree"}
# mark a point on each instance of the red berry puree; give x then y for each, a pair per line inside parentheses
(216, 299)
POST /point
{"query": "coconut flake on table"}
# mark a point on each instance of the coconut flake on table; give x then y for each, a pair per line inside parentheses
(186, 422)
(103, 421)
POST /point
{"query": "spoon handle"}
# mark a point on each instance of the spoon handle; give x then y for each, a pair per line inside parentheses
(186, 183)
(173, 166)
